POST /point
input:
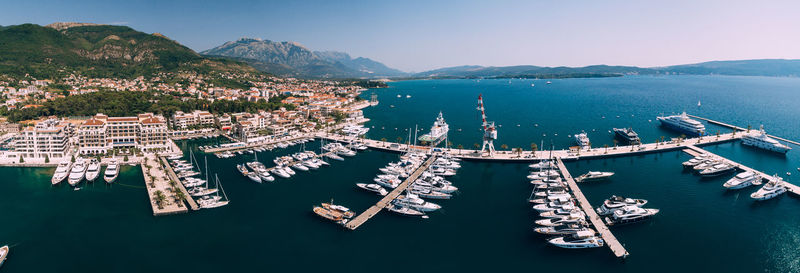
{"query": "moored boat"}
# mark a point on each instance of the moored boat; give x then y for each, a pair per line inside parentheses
(112, 171)
(61, 173)
(581, 239)
(742, 180)
(373, 188)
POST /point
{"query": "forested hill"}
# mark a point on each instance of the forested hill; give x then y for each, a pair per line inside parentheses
(99, 51)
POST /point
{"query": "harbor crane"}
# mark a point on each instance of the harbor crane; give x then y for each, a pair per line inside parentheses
(489, 131)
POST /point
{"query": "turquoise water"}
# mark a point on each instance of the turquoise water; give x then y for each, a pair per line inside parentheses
(486, 227)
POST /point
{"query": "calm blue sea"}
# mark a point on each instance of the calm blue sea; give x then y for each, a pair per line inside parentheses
(487, 227)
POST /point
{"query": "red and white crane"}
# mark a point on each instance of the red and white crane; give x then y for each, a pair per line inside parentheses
(489, 131)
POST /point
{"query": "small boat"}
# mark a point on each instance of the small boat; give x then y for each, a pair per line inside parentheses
(175, 157)
(334, 156)
(630, 214)
(300, 167)
(373, 188)
(617, 202)
(770, 190)
(112, 171)
(93, 170)
(406, 211)
(3, 254)
(593, 176)
(581, 239)
(61, 173)
(742, 180)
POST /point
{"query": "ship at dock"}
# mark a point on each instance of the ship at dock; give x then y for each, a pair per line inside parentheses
(438, 131)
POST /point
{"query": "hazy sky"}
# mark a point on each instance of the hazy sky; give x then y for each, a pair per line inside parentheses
(421, 35)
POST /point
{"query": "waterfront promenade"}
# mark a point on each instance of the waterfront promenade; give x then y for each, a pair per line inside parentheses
(158, 187)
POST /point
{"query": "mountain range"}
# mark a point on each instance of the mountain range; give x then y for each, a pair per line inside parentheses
(119, 51)
(293, 59)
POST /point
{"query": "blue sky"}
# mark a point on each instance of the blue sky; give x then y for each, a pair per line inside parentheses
(421, 35)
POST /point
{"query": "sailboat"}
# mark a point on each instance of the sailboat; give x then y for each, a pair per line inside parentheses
(698, 103)
(216, 201)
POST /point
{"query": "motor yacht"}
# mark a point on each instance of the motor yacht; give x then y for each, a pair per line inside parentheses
(771, 189)
(630, 214)
(561, 213)
(300, 167)
(407, 211)
(717, 170)
(4, 250)
(683, 124)
(554, 205)
(617, 202)
(552, 222)
(760, 139)
(562, 230)
(581, 239)
(551, 192)
(544, 164)
(61, 173)
(593, 176)
(583, 140)
(330, 214)
(280, 172)
(388, 182)
(77, 172)
(742, 180)
(413, 201)
(92, 170)
(112, 171)
(334, 156)
(428, 192)
(373, 188)
(627, 135)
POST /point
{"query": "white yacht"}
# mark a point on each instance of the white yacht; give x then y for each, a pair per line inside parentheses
(112, 171)
(562, 230)
(581, 239)
(552, 222)
(61, 173)
(438, 130)
(593, 176)
(684, 124)
(742, 180)
(373, 188)
(413, 201)
(583, 140)
(630, 214)
(77, 172)
(770, 190)
(717, 170)
(544, 164)
(760, 139)
(93, 170)
(405, 211)
(3, 254)
(617, 202)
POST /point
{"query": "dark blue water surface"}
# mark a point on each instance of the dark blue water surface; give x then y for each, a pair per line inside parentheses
(486, 227)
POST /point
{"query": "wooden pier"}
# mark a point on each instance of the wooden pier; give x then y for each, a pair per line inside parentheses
(742, 129)
(695, 151)
(609, 238)
(387, 200)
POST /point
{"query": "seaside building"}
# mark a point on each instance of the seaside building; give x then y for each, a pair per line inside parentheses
(101, 134)
(48, 138)
(195, 119)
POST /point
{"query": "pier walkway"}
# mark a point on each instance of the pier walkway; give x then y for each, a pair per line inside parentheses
(386, 200)
(695, 151)
(174, 177)
(156, 179)
(742, 129)
(527, 156)
(609, 238)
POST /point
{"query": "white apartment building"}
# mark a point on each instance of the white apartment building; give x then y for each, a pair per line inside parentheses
(49, 138)
(197, 118)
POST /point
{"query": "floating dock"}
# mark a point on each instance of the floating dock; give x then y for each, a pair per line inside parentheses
(608, 237)
(386, 200)
(695, 151)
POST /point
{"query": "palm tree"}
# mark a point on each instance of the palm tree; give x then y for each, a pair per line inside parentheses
(477, 146)
(680, 138)
(606, 146)
(615, 143)
(504, 147)
(181, 197)
(717, 134)
(519, 152)
(160, 199)
(460, 147)
(534, 147)
(399, 140)
(748, 128)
